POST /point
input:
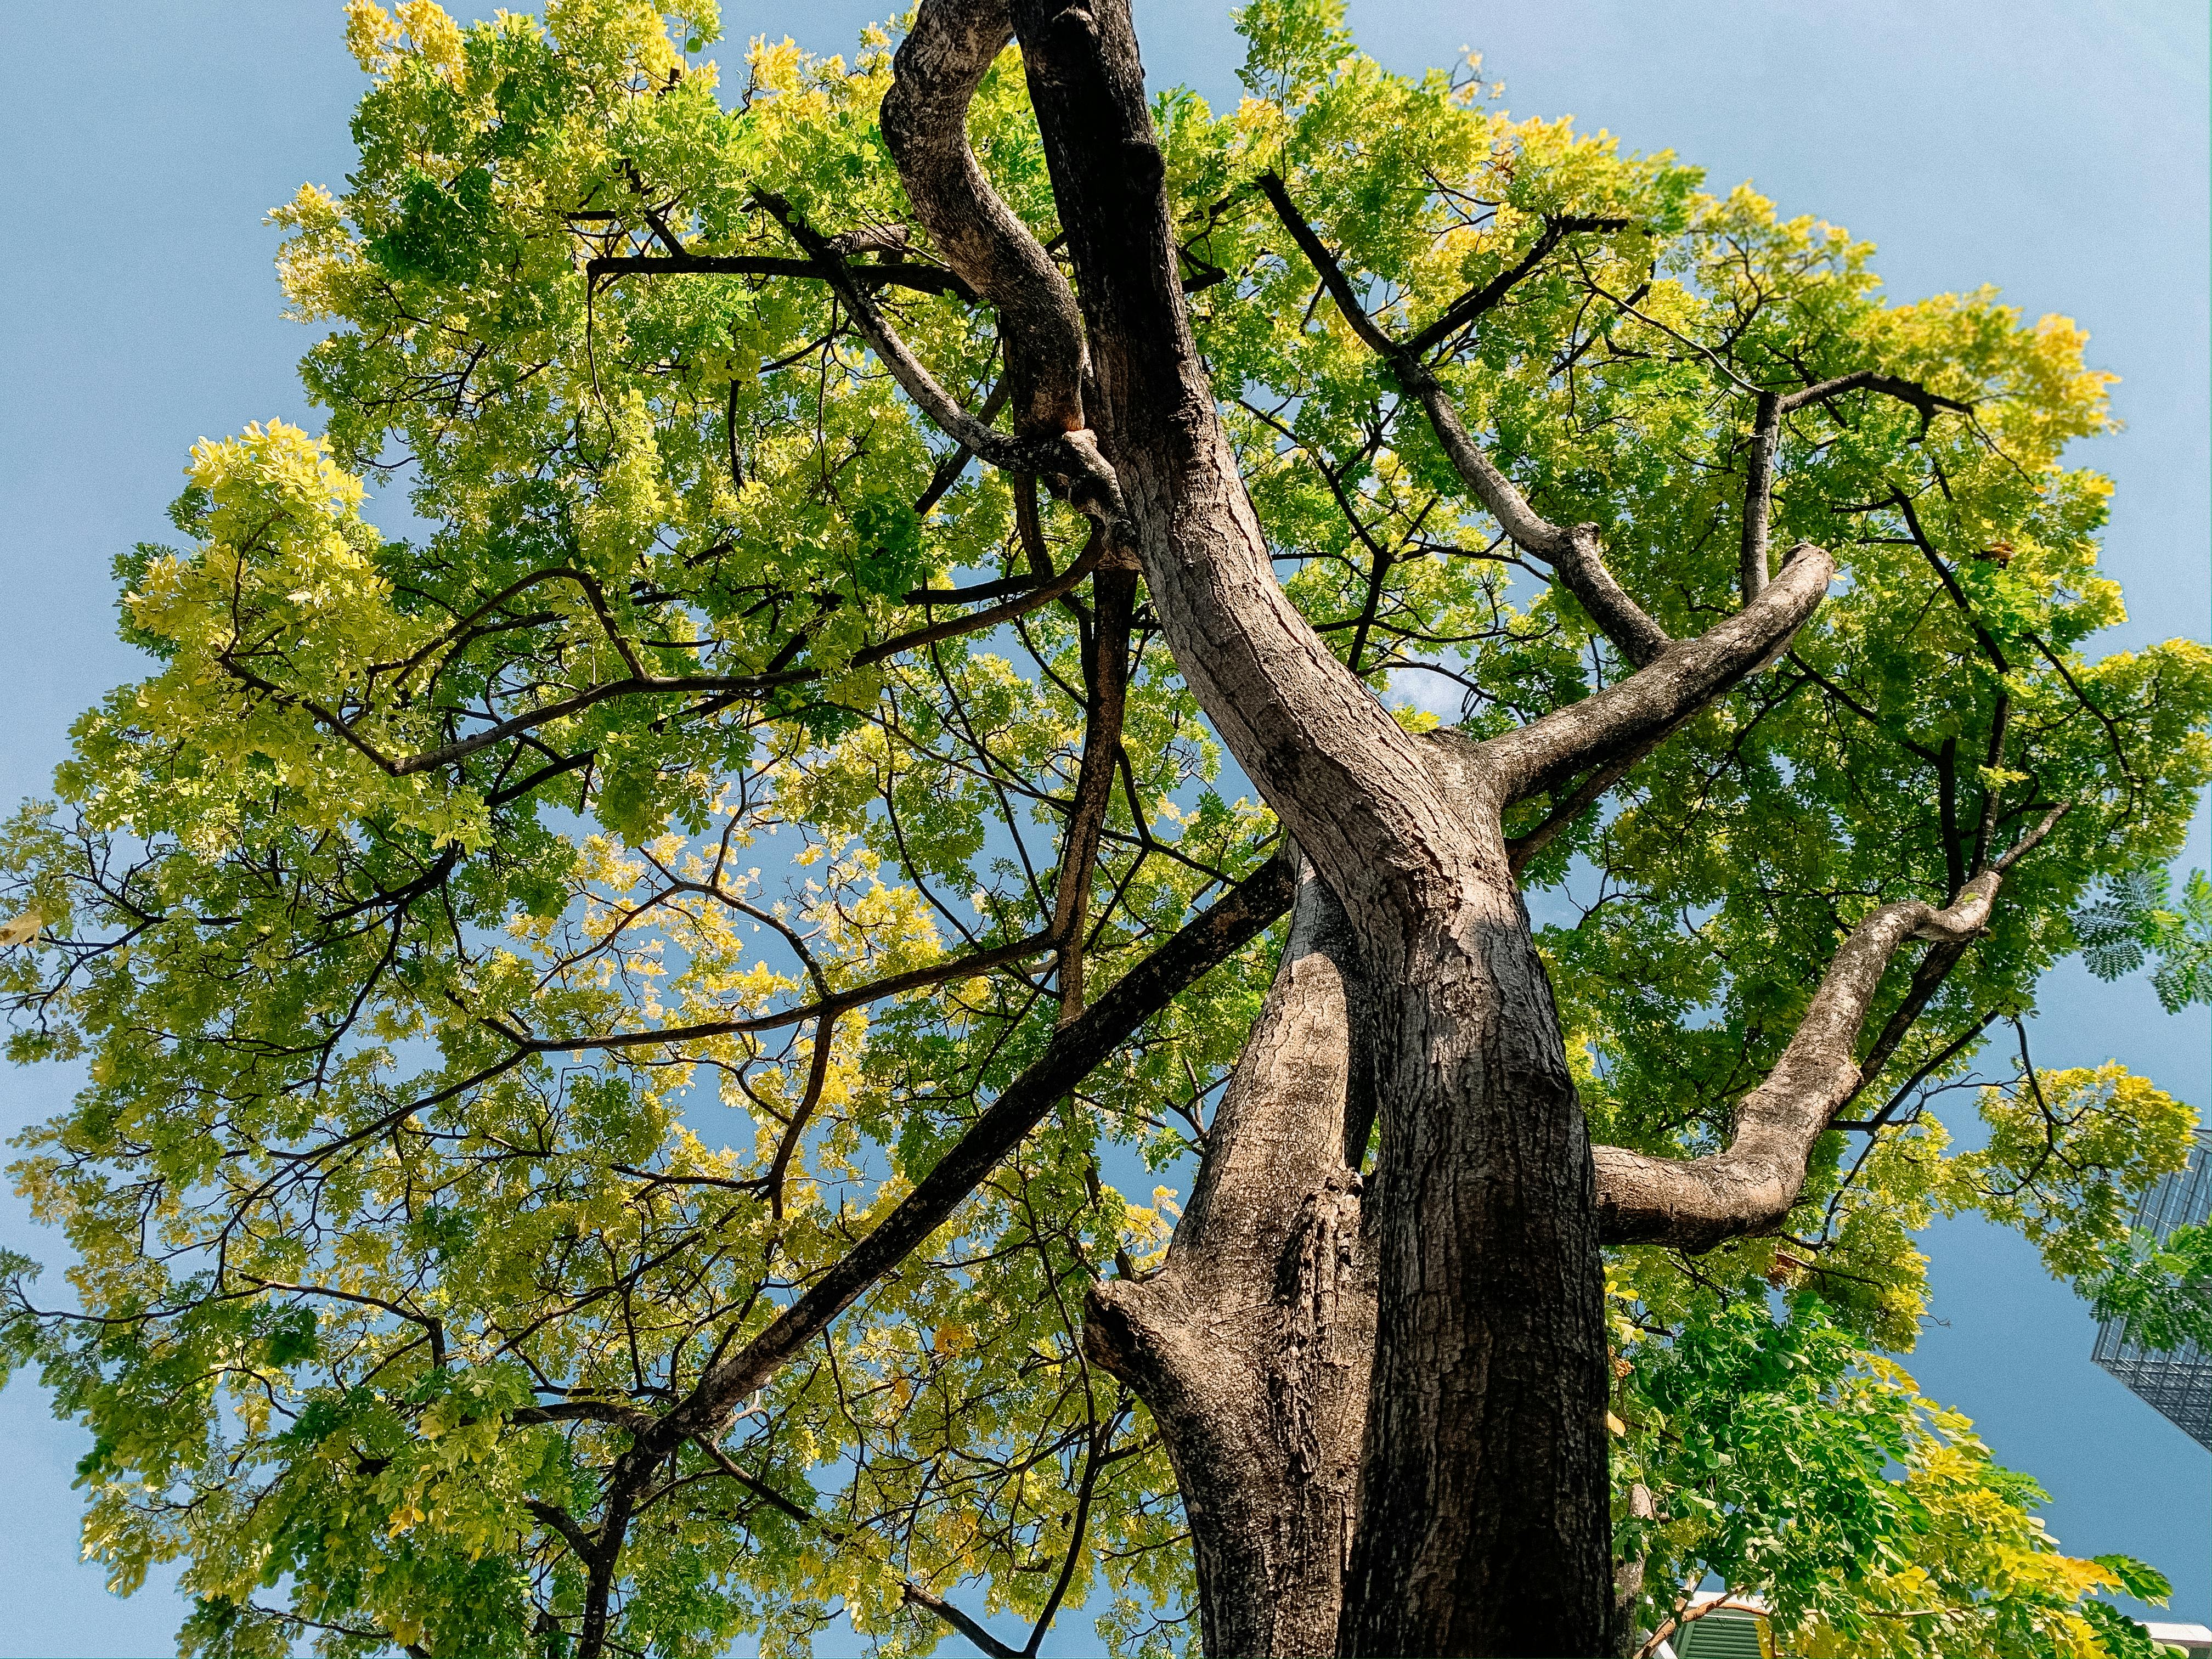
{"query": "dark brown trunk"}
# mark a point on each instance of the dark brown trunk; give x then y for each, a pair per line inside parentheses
(1251, 1345)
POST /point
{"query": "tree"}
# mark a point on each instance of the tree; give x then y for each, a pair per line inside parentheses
(943, 458)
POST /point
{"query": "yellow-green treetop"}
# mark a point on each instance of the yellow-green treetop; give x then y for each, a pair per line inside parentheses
(617, 1018)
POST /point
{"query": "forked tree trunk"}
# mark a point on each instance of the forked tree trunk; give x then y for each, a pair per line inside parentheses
(1253, 1345)
(1481, 1521)
(1483, 1510)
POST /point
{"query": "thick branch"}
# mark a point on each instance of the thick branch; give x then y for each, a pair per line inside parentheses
(1572, 551)
(1622, 719)
(1697, 1203)
(943, 59)
(566, 1524)
(915, 1594)
(1868, 379)
(1251, 1345)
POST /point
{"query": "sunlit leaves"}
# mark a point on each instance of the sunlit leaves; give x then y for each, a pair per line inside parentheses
(465, 933)
(1872, 1521)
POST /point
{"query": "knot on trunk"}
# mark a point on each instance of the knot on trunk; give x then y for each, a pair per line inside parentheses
(1123, 1335)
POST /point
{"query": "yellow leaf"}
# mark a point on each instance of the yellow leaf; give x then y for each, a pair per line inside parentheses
(22, 929)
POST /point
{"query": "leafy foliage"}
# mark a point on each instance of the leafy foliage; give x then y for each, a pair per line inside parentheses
(2161, 1289)
(1873, 1520)
(510, 964)
(2132, 922)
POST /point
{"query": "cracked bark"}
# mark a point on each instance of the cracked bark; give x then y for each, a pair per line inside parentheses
(1250, 1344)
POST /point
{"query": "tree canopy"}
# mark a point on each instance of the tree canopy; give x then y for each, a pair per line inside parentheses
(626, 1008)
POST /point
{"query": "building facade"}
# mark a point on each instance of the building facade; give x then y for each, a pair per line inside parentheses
(2177, 1383)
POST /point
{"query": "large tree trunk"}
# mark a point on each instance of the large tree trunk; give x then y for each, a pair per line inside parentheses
(1485, 1507)
(1485, 1517)
(1251, 1345)
(1483, 1511)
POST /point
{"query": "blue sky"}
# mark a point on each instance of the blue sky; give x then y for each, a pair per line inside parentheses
(2056, 148)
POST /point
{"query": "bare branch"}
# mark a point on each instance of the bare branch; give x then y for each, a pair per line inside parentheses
(918, 1596)
(896, 273)
(1622, 719)
(1573, 552)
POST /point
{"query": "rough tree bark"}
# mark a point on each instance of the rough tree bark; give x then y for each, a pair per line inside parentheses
(1481, 1523)
(1251, 1344)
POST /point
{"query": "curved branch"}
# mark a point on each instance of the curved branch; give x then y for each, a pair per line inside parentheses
(1626, 717)
(825, 1008)
(1694, 1204)
(944, 58)
(726, 685)
(562, 1522)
